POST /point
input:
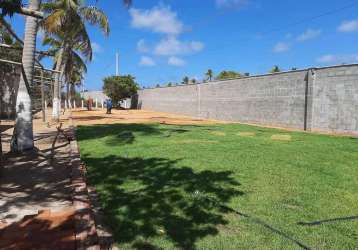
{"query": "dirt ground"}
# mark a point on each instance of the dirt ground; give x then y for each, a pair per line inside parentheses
(99, 116)
(36, 210)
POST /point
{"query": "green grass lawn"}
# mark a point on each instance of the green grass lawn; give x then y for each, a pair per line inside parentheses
(223, 186)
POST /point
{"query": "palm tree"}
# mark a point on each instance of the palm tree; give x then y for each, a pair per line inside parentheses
(23, 133)
(209, 74)
(185, 80)
(69, 18)
(275, 69)
(73, 59)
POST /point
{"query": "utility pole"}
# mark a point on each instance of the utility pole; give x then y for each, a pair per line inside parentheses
(117, 64)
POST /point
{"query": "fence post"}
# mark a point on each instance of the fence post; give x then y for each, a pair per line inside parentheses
(45, 107)
(43, 97)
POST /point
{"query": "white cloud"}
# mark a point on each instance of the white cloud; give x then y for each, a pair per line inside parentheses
(146, 61)
(142, 46)
(231, 3)
(308, 35)
(281, 47)
(175, 61)
(96, 48)
(338, 59)
(349, 26)
(158, 19)
(172, 46)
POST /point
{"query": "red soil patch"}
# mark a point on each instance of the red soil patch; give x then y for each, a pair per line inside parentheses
(43, 231)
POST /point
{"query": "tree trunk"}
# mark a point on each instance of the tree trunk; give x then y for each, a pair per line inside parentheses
(23, 132)
(57, 89)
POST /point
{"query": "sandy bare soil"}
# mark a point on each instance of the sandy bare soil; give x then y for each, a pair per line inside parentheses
(99, 116)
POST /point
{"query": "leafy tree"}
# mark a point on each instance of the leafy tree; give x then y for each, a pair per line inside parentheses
(275, 69)
(193, 81)
(228, 75)
(185, 80)
(209, 74)
(119, 87)
(169, 84)
(247, 74)
(293, 68)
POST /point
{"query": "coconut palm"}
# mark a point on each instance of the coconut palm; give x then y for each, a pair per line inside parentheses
(209, 74)
(75, 81)
(23, 134)
(275, 69)
(73, 59)
(69, 18)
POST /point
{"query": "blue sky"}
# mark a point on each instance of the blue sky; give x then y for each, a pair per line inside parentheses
(163, 41)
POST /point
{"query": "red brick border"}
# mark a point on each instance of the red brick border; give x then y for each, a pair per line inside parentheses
(85, 228)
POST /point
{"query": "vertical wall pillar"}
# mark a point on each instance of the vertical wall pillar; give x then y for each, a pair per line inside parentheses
(82, 104)
(199, 100)
(96, 103)
(309, 81)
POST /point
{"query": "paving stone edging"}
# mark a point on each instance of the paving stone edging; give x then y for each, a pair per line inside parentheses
(85, 228)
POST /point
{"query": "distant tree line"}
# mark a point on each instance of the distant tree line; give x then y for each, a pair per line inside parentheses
(223, 75)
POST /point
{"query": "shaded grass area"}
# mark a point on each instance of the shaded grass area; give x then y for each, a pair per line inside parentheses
(207, 187)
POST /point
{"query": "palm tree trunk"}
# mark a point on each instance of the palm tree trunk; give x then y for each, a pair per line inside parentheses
(23, 138)
(56, 104)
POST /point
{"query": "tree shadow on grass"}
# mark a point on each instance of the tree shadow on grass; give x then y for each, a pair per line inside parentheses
(153, 197)
(125, 133)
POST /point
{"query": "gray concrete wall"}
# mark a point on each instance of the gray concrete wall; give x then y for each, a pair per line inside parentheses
(323, 99)
(335, 99)
(9, 82)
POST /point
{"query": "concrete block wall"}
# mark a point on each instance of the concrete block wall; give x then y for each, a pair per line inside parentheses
(335, 99)
(9, 83)
(270, 100)
(319, 99)
(178, 100)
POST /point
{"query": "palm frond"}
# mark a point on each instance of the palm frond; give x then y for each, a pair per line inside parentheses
(95, 16)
